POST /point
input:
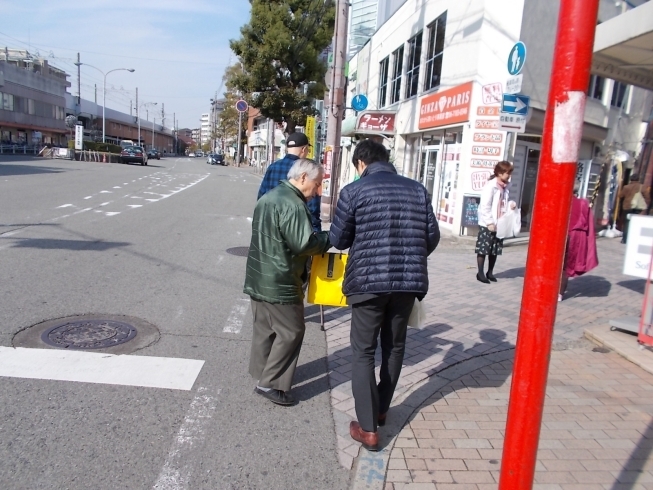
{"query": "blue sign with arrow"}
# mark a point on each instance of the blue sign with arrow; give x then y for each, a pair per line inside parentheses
(515, 104)
(359, 103)
(517, 58)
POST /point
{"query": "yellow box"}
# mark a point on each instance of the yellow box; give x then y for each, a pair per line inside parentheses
(325, 283)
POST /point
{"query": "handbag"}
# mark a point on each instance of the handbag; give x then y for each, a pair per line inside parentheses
(325, 281)
(417, 316)
(509, 225)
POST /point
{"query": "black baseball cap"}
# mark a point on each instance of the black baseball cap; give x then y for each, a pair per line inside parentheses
(297, 140)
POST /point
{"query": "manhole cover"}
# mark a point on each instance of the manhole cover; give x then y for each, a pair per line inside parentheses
(239, 251)
(89, 334)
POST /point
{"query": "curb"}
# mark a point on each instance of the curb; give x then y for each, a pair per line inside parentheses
(371, 467)
(633, 352)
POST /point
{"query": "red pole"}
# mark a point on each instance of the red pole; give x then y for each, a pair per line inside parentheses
(563, 127)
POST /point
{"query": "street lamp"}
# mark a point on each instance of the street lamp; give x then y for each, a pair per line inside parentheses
(104, 92)
(138, 116)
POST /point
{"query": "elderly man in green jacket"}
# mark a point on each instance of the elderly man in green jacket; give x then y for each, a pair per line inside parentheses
(282, 241)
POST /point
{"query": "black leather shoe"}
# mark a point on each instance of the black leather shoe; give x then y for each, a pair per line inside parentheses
(483, 279)
(277, 396)
(491, 277)
(381, 419)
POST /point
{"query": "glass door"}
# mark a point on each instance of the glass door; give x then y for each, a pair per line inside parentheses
(428, 167)
(528, 191)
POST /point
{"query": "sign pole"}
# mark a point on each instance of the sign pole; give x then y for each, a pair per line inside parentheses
(563, 127)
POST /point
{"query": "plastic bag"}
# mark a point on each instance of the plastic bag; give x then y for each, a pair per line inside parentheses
(417, 316)
(509, 225)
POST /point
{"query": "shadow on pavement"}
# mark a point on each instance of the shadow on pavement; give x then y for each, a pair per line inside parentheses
(8, 169)
(511, 273)
(52, 244)
(588, 287)
(636, 285)
(637, 463)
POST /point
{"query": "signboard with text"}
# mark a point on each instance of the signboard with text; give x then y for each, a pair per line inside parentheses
(79, 137)
(446, 107)
(310, 134)
(376, 122)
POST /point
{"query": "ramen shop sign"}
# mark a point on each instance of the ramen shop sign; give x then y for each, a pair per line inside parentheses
(446, 107)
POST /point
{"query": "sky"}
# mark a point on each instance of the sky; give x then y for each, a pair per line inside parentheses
(178, 48)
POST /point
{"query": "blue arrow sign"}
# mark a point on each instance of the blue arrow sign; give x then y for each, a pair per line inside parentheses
(517, 58)
(515, 104)
(359, 102)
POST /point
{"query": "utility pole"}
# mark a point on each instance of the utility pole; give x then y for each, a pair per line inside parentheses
(96, 94)
(163, 114)
(336, 110)
(138, 118)
(174, 130)
(79, 85)
(562, 134)
(240, 132)
(153, 123)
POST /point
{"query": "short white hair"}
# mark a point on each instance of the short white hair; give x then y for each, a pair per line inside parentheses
(311, 168)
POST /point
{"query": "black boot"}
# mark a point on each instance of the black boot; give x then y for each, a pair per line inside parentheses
(481, 277)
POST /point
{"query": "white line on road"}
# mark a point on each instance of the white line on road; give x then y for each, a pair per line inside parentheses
(113, 213)
(93, 367)
(106, 192)
(65, 206)
(235, 320)
(88, 197)
(134, 206)
(175, 475)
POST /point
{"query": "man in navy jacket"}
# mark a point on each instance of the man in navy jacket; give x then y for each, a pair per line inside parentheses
(388, 224)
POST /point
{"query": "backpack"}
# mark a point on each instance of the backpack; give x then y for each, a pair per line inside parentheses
(638, 201)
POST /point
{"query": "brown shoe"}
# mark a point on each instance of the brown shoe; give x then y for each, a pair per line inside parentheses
(382, 417)
(369, 440)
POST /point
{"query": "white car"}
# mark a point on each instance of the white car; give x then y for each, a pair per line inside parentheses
(191, 154)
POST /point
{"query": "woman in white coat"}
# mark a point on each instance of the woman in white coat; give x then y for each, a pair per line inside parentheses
(493, 205)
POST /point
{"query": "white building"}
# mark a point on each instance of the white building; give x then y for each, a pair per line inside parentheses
(362, 23)
(205, 128)
(434, 73)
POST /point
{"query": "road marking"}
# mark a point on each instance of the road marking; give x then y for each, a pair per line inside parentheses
(65, 206)
(106, 192)
(134, 206)
(105, 203)
(175, 475)
(235, 320)
(113, 213)
(88, 197)
(116, 187)
(93, 367)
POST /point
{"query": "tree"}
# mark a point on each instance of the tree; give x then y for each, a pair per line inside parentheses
(280, 52)
(226, 129)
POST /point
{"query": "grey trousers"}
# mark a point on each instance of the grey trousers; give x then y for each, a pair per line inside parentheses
(387, 315)
(276, 342)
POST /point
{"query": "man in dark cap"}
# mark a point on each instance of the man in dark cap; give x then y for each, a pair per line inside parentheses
(297, 147)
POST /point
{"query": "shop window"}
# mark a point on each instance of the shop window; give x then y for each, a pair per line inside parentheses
(30, 106)
(434, 53)
(7, 102)
(596, 87)
(397, 70)
(412, 69)
(384, 67)
(618, 94)
(5, 139)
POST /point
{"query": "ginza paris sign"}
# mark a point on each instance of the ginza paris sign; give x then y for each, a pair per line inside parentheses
(446, 107)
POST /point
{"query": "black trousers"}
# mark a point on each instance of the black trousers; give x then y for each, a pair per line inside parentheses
(386, 315)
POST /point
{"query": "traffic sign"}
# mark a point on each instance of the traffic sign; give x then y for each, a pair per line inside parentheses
(517, 58)
(515, 104)
(513, 84)
(359, 102)
(511, 122)
(241, 106)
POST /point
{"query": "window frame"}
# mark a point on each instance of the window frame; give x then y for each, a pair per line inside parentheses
(413, 64)
(435, 51)
(595, 80)
(384, 72)
(397, 72)
(616, 87)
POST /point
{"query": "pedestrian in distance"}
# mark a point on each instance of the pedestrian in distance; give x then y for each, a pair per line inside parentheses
(580, 252)
(297, 145)
(493, 205)
(387, 223)
(282, 241)
(635, 200)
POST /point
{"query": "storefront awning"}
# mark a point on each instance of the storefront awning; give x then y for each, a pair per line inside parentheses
(370, 123)
(623, 47)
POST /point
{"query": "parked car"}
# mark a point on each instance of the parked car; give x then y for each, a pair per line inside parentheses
(199, 154)
(191, 155)
(133, 154)
(152, 153)
(216, 159)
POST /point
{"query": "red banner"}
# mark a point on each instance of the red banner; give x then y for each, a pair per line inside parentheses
(446, 107)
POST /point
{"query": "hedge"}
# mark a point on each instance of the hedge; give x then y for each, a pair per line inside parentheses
(104, 147)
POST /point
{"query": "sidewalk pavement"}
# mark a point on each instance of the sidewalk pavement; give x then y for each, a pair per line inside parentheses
(446, 424)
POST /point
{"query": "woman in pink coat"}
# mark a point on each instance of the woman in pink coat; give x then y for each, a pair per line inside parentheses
(580, 255)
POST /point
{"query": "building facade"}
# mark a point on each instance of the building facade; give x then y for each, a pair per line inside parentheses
(205, 128)
(32, 100)
(435, 73)
(362, 23)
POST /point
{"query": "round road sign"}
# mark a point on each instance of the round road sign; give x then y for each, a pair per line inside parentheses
(359, 102)
(241, 106)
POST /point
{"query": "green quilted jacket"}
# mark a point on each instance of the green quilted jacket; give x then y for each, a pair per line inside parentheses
(282, 241)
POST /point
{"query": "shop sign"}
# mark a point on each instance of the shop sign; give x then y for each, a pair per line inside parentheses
(492, 93)
(483, 110)
(79, 137)
(479, 179)
(446, 107)
(478, 163)
(488, 137)
(379, 122)
(310, 134)
(486, 124)
(492, 151)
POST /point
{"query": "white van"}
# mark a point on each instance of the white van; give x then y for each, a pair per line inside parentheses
(126, 143)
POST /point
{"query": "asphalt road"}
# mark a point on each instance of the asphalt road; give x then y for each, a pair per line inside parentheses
(148, 242)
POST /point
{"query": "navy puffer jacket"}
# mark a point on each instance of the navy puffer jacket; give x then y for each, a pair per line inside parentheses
(388, 224)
